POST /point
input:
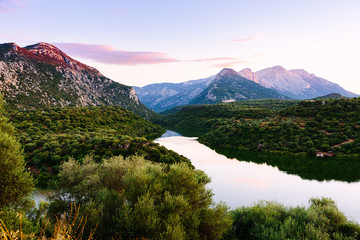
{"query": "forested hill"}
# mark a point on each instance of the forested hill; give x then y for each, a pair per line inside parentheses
(323, 125)
(195, 120)
(52, 136)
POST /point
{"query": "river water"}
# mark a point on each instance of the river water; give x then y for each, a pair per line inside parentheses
(242, 183)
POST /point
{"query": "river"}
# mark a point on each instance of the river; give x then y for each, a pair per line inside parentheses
(243, 183)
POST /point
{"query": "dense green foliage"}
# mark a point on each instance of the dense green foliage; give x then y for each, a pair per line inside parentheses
(272, 221)
(275, 125)
(52, 136)
(134, 198)
(196, 120)
(15, 182)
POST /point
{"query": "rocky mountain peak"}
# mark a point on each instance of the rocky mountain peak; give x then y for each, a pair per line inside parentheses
(278, 68)
(9, 46)
(14, 46)
(53, 55)
(248, 74)
(227, 72)
(41, 75)
(302, 73)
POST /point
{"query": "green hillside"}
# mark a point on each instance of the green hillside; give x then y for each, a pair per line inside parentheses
(323, 125)
(51, 136)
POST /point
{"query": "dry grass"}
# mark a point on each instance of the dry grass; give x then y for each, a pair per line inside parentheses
(68, 226)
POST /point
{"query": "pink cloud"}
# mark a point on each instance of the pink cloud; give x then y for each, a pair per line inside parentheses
(108, 54)
(250, 38)
(230, 64)
(212, 59)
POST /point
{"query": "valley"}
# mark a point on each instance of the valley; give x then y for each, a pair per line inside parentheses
(93, 147)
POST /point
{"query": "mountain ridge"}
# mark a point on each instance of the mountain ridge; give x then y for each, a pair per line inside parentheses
(296, 83)
(41, 75)
(229, 86)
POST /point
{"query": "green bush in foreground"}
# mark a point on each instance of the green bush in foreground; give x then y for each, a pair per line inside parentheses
(322, 220)
(15, 182)
(133, 198)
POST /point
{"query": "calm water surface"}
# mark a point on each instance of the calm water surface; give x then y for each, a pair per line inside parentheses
(241, 183)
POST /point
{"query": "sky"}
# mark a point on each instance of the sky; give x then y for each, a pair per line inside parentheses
(138, 42)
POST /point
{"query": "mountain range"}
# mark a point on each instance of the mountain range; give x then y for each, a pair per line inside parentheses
(41, 75)
(229, 85)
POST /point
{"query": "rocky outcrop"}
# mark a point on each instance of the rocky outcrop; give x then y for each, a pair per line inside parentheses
(41, 75)
(297, 83)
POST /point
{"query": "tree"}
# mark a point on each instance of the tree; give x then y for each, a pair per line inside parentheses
(134, 199)
(15, 182)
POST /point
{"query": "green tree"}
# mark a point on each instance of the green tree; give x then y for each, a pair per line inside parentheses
(270, 220)
(15, 182)
(135, 198)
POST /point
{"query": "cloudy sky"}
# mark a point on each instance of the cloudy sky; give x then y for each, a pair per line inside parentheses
(137, 42)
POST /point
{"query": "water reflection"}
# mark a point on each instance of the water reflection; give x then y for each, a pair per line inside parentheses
(312, 168)
(241, 183)
(170, 134)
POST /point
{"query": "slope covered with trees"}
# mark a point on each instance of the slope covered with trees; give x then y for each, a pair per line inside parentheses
(308, 126)
(52, 136)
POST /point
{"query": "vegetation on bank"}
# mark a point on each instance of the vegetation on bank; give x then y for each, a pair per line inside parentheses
(51, 136)
(196, 120)
(273, 221)
(133, 198)
(275, 125)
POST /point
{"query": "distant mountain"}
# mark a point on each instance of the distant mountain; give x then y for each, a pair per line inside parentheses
(229, 86)
(297, 84)
(164, 96)
(41, 75)
(331, 95)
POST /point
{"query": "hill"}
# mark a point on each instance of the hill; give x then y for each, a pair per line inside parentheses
(298, 127)
(51, 136)
(41, 75)
(331, 95)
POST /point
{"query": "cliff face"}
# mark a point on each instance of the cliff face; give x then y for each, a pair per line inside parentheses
(297, 83)
(41, 75)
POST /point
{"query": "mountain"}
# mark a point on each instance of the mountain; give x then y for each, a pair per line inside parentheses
(297, 83)
(229, 86)
(164, 96)
(41, 75)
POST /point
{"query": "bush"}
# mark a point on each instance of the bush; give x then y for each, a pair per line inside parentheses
(140, 199)
(270, 220)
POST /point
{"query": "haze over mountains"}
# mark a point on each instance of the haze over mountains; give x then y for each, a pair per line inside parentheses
(41, 75)
(229, 85)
